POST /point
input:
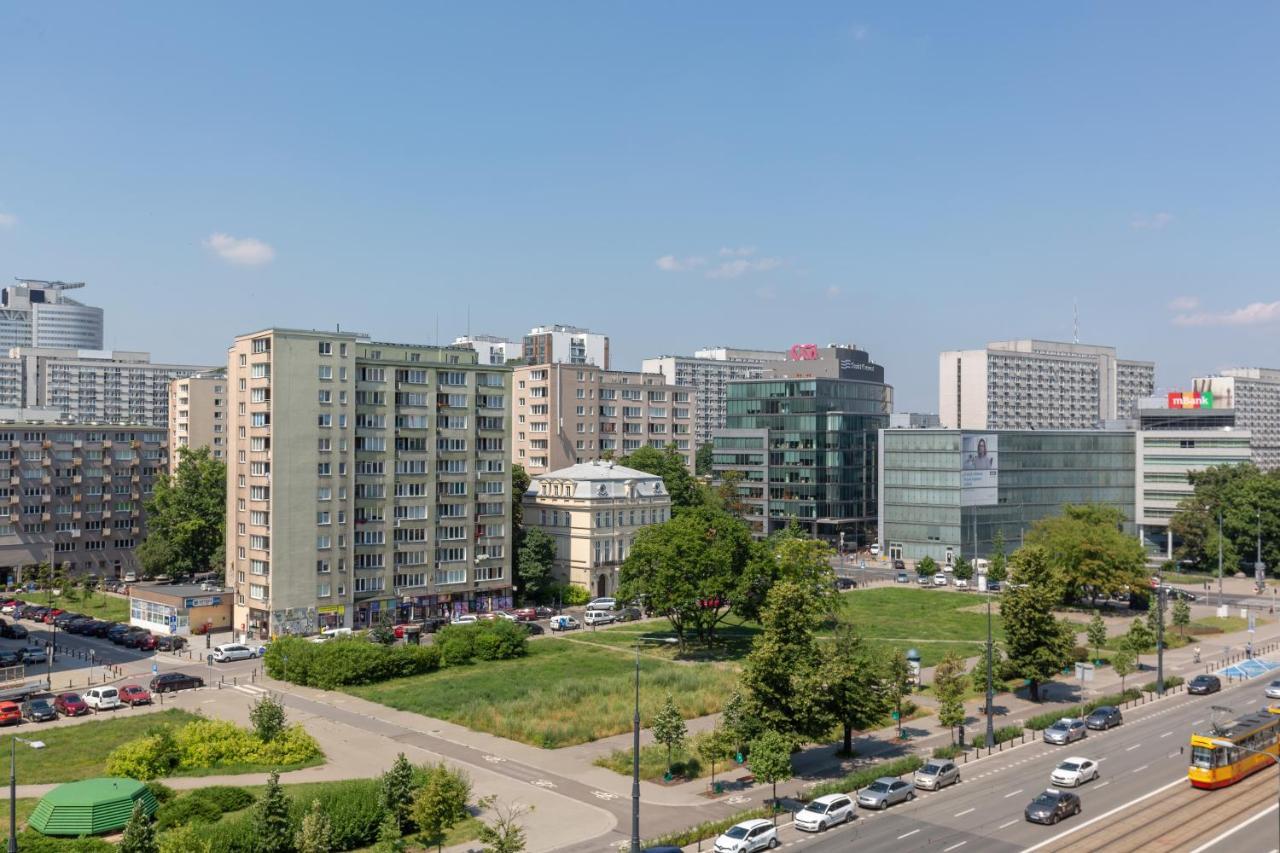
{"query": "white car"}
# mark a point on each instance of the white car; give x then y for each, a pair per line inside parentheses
(1074, 772)
(602, 604)
(233, 651)
(825, 812)
(102, 698)
(939, 579)
(464, 619)
(748, 837)
(962, 583)
(1273, 690)
(875, 549)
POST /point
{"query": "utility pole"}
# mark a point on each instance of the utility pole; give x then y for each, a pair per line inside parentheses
(991, 732)
(1160, 633)
(1219, 555)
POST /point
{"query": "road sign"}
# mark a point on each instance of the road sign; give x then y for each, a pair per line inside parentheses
(895, 715)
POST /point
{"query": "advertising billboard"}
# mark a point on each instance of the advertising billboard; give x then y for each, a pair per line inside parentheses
(1191, 399)
(979, 470)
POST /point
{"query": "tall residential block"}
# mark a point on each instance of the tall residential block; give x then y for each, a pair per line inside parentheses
(492, 349)
(1254, 395)
(368, 481)
(709, 373)
(566, 414)
(198, 414)
(1030, 384)
(35, 313)
(566, 345)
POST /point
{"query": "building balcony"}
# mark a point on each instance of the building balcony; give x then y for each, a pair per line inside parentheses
(44, 516)
(106, 444)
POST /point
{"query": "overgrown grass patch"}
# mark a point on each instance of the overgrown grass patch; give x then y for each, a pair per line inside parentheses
(562, 693)
(919, 614)
(80, 751)
(110, 608)
(653, 761)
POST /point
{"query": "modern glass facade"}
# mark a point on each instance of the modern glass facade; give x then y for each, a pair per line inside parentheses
(1039, 471)
(806, 448)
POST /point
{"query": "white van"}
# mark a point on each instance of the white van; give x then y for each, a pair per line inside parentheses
(875, 549)
(599, 617)
(102, 698)
(333, 633)
(232, 651)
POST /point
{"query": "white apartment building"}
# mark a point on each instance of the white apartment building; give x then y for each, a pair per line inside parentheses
(709, 373)
(1254, 395)
(1165, 460)
(1032, 384)
(198, 415)
(367, 481)
(492, 349)
(35, 313)
(567, 345)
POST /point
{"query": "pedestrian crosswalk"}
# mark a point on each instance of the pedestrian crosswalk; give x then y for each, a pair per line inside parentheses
(250, 689)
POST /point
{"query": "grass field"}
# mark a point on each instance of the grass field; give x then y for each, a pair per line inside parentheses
(111, 608)
(653, 761)
(80, 752)
(562, 693)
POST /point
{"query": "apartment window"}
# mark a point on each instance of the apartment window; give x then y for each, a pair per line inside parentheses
(325, 396)
(322, 567)
(322, 590)
(324, 469)
(326, 348)
(257, 592)
(324, 541)
(322, 517)
(324, 493)
(324, 420)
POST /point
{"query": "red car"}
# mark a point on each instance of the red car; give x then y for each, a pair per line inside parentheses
(10, 714)
(52, 614)
(70, 705)
(525, 614)
(146, 643)
(133, 694)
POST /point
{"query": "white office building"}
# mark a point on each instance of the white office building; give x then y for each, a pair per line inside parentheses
(1253, 393)
(566, 345)
(492, 349)
(709, 372)
(1032, 384)
(35, 313)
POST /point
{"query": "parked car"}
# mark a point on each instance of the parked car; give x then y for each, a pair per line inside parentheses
(1174, 593)
(875, 549)
(899, 566)
(169, 682)
(993, 586)
(533, 629)
(51, 614)
(845, 583)
(464, 619)
(78, 625)
(11, 658)
(10, 714)
(70, 705)
(525, 614)
(564, 623)
(824, 812)
(136, 638)
(38, 711)
(602, 604)
(599, 617)
(936, 775)
(1065, 731)
(628, 614)
(902, 578)
(924, 580)
(884, 792)
(170, 643)
(116, 633)
(1052, 806)
(1203, 685)
(34, 654)
(962, 583)
(234, 651)
(544, 612)
(134, 694)
(103, 698)
(1074, 772)
(1104, 717)
(11, 605)
(62, 620)
(99, 628)
(747, 837)
(941, 579)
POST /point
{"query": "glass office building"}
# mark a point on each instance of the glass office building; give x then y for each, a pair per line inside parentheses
(945, 493)
(804, 440)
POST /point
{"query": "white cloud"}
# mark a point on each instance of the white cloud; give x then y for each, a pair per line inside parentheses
(1253, 314)
(740, 252)
(1184, 303)
(739, 267)
(1151, 222)
(8, 220)
(246, 251)
(833, 292)
(670, 263)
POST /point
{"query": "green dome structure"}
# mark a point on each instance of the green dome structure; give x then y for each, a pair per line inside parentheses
(90, 807)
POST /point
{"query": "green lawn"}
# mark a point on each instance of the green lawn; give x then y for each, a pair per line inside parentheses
(80, 751)
(893, 613)
(99, 605)
(562, 693)
(653, 761)
(24, 807)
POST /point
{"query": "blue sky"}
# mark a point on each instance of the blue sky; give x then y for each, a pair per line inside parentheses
(906, 178)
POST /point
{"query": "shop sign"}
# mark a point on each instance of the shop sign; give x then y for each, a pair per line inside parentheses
(207, 601)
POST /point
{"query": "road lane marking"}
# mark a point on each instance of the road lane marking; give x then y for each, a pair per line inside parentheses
(954, 846)
(1102, 784)
(1009, 824)
(1181, 780)
(1196, 722)
(1132, 748)
(906, 834)
(1140, 769)
(966, 811)
(1233, 830)
(1013, 793)
(1166, 734)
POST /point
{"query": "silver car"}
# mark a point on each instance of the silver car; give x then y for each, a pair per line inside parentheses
(884, 792)
(1273, 690)
(936, 775)
(1065, 731)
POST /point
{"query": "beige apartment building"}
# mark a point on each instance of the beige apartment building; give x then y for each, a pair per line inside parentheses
(368, 481)
(571, 413)
(593, 511)
(198, 414)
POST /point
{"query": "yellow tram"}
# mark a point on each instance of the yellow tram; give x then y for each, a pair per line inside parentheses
(1214, 766)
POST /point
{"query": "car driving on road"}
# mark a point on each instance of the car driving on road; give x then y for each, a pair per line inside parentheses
(824, 812)
(1065, 731)
(1203, 685)
(936, 775)
(1273, 690)
(1104, 717)
(884, 792)
(1074, 772)
(1052, 806)
(232, 651)
(168, 682)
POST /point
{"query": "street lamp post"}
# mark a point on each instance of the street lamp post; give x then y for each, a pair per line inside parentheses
(13, 789)
(1219, 555)
(1160, 633)
(991, 731)
(635, 746)
(1226, 744)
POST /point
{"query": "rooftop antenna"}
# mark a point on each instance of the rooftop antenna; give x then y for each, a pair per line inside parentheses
(1075, 327)
(468, 319)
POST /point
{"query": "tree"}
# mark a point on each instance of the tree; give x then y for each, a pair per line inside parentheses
(998, 666)
(315, 835)
(1090, 552)
(1181, 616)
(139, 833)
(740, 727)
(716, 745)
(1240, 492)
(1038, 644)
(770, 761)
(1140, 639)
(850, 681)
(268, 717)
(926, 566)
(949, 684)
(390, 839)
(535, 563)
(687, 569)
(670, 466)
(1123, 662)
(504, 834)
(382, 631)
(1156, 612)
(702, 460)
(186, 516)
(272, 831)
(897, 680)
(520, 481)
(998, 570)
(789, 554)
(668, 728)
(441, 802)
(1097, 633)
(784, 657)
(395, 792)
(729, 493)
(963, 569)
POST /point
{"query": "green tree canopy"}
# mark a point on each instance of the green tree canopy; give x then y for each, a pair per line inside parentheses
(950, 682)
(771, 762)
(1090, 552)
(702, 461)
(395, 792)
(139, 832)
(186, 516)
(1038, 644)
(1097, 633)
(520, 481)
(999, 569)
(272, 830)
(440, 802)
(784, 657)
(1181, 615)
(1248, 500)
(1140, 638)
(849, 681)
(534, 564)
(670, 466)
(668, 728)
(1123, 663)
(789, 554)
(963, 569)
(926, 566)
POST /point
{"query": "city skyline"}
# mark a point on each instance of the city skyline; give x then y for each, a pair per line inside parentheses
(910, 182)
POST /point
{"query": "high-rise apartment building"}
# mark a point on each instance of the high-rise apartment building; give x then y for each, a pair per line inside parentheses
(492, 349)
(1030, 384)
(198, 414)
(567, 345)
(1254, 395)
(565, 414)
(803, 438)
(709, 373)
(74, 494)
(367, 481)
(36, 313)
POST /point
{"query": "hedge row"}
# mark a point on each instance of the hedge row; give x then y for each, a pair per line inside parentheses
(705, 830)
(1041, 722)
(1002, 734)
(1169, 681)
(862, 778)
(206, 745)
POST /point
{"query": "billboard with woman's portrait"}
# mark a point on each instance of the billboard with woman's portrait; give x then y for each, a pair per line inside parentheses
(979, 469)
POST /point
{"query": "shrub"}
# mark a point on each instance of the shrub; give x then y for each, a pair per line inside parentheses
(948, 751)
(162, 792)
(30, 841)
(456, 644)
(1079, 654)
(204, 744)
(345, 661)
(186, 810)
(493, 640)
(145, 758)
(267, 716)
(354, 809)
(1169, 681)
(864, 777)
(572, 596)
(1002, 735)
(231, 835)
(227, 798)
